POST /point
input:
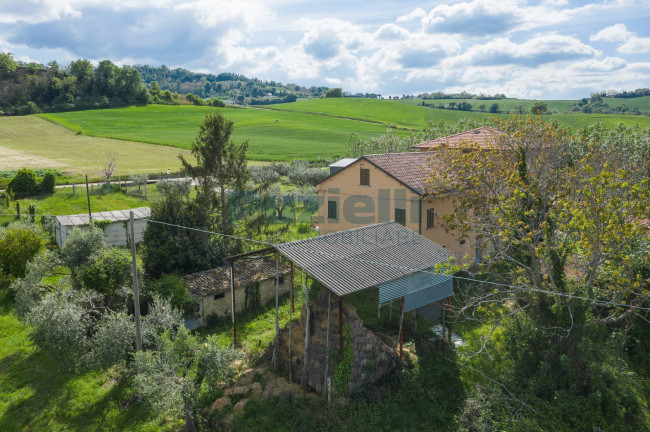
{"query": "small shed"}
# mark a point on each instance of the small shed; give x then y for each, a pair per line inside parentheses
(254, 285)
(116, 228)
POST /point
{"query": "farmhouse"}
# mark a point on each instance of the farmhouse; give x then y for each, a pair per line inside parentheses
(254, 285)
(383, 187)
(114, 223)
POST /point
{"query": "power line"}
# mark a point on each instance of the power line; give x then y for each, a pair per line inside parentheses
(410, 269)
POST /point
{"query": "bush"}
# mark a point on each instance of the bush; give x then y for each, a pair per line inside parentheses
(29, 290)
(18, 245)
(59, 325)
(23, 184)
(172, 288)
(47, 184)
(113, 341)
(81, 244)
(107, 270)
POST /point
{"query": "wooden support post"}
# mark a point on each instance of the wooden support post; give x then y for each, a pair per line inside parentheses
(277, 316)
(340, 329)
(307, 314)
(232, 298)
(444, 321)
(292, 277)
(290, 323)
(136, 291)
(327, 341)
(449, 305)
(401, 328)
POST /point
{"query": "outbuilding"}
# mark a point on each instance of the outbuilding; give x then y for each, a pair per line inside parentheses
(254, 286)
(115, 224)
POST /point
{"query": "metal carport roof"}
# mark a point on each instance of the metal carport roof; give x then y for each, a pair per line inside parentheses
(360, 258)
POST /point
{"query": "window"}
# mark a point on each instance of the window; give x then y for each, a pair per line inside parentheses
(219, 296)
(281, 279)
(365, 177)
(331, 210)
(400, 216)
(431, 218)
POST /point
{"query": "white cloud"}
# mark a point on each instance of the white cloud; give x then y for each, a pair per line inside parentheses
(619, 33)
(615, 33)
(417, 13)
(332, 81)
(635, 45)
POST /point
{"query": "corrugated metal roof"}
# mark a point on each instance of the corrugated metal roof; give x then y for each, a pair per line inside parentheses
(360, 258)
(113, 216)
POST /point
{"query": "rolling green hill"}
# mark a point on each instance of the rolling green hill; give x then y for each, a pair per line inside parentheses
(302, 130)
(272, 135)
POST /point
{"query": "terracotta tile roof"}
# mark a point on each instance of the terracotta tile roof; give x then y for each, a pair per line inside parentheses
(483, 137)
(217, 281)
(411, 169)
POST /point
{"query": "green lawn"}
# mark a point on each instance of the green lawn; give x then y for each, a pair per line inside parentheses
(272, 135)
(37, 394)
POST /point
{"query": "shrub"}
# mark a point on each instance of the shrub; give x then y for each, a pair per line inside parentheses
(113, 341)
(81, 244)
(47, 184)
(59, 325)
(23, 184)
(172, 288)
(18, 245)
(107, 270)
(29, 290)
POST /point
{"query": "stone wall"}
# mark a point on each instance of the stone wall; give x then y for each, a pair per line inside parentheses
(374, 356)
(222, 306)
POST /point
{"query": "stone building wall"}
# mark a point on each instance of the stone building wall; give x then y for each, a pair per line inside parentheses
(222, 305)
(373, 356)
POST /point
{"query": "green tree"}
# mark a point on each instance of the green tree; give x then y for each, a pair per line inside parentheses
(18, 245)
(494, 108)
(220, 164)
(167, 249)
(7, 64)
(334, 93)
(107, 271)
(172, 378)
(539, 108)
(23, 184)
(80, 245)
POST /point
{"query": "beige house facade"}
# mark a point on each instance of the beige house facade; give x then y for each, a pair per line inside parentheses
(380, 188)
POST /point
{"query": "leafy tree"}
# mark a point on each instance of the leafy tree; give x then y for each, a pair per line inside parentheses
(167, 249)
(18, 245)
(301, 175)
(171, 378)
(539, 108)
(221, 164)
(172, 288)
(334, 93)
(80, 246)
(47, 184)
(7, 64)
(23, 184)
(107, 271)
(29, 289)
(494, 108)
(280, 199)
(113, 341)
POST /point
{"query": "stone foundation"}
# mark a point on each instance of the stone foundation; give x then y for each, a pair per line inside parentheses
(373, 357)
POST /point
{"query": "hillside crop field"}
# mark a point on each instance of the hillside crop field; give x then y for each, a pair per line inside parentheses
(31, 142)
(272, 135)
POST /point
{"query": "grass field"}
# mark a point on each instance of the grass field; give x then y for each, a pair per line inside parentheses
(31, 142)
(272, 135)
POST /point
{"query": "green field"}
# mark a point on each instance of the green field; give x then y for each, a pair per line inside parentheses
(272, 135)
(32, 142)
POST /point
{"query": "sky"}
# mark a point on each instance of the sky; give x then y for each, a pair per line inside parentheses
(539, 49)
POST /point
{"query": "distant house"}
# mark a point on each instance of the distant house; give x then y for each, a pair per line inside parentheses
(114, 223)
(484, 138)
(254, 285)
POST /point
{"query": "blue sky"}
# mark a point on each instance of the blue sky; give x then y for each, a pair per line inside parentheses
(543, 49)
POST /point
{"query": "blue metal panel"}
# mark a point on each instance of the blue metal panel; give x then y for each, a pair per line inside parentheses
(414, 284)
(393, 290)
(429, 295)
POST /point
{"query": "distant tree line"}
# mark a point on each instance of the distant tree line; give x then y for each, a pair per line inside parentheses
(27, 88)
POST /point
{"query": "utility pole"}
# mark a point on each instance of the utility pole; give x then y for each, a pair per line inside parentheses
(136, 291)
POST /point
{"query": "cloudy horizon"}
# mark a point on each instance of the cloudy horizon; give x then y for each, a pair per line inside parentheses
(546, 49)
